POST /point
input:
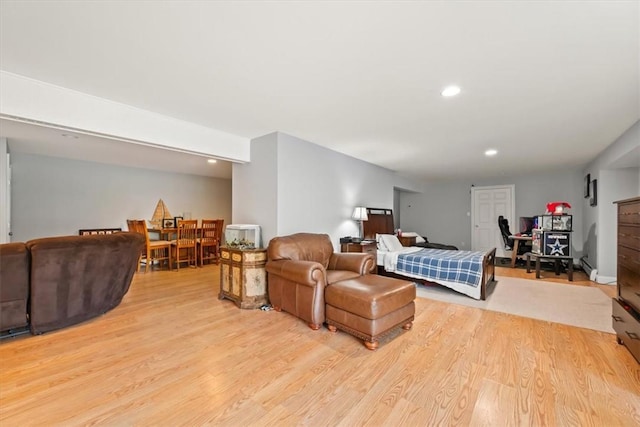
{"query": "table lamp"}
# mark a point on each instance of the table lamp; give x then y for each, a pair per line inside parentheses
(359, 214)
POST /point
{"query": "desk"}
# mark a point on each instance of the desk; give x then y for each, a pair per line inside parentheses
(556, 260)
(516, 243)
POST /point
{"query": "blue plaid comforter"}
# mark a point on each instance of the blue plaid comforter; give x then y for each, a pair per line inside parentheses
(438, 264)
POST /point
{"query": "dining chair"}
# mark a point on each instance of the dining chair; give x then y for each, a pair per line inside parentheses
(131, 226)
(155, 251)
(185, 246)
(209, 240)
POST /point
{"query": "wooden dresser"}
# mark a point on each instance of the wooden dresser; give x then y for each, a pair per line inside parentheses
(626, 307)
(243, 278)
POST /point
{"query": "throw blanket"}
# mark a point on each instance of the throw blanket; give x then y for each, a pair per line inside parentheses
(443, 265)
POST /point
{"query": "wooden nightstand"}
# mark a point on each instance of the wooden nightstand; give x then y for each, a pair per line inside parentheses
(368, 247)
(407, 240)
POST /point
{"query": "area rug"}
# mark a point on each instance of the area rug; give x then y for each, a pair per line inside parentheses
(581, 306)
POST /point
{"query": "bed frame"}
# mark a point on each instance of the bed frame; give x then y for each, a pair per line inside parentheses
(380, 221)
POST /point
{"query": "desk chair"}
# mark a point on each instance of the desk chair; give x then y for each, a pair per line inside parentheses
(503, 224)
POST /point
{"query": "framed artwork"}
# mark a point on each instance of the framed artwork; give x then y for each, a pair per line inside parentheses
(587, 183)
(168, 223)
(594, 193)
(176, 219)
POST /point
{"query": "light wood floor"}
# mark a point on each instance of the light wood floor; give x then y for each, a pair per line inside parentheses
(172, 354)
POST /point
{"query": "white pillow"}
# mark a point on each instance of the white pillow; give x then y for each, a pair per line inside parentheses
(391, 242)
(381, 245)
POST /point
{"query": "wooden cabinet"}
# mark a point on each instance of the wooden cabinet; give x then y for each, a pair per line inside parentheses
(243, 278)
(367, 247)
(407, 240)
(626, 307)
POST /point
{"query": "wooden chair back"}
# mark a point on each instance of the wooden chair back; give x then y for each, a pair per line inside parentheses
(156, 251)
(186, 243)
(209, 241)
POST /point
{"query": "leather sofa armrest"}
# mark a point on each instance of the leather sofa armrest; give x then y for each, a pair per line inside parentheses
(362, 263)
(308, 273)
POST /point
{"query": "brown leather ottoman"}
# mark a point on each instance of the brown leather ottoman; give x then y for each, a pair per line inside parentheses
(370, 306)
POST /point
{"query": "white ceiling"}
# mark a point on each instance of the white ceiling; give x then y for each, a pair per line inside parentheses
(547, 84)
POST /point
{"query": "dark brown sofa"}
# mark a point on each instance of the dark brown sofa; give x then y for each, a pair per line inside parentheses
(14, 286)
(69, 279)
(301, 265)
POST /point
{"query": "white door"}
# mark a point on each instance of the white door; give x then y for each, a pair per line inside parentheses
(487, 203)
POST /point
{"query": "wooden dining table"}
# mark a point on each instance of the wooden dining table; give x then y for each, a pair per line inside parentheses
(164, 233)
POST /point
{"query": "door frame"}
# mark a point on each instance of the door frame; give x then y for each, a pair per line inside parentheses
(5, 192)
(510, 187)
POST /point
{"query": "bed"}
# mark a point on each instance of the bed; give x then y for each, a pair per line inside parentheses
(467, 272)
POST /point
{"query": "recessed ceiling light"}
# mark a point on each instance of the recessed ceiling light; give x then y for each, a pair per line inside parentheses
(491, 152)
(450, 91)
(70, 135)
(212, 161)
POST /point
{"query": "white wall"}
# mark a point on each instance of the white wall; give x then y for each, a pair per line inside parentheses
(316, 188)
(53, 196)
(440, 210)
(30, 99)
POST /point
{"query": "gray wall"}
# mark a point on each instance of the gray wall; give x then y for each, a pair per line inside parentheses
(316, 188)
(614, 183)
(441, 210)
(53, 196)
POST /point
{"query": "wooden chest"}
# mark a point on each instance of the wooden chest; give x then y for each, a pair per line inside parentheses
(243, 278)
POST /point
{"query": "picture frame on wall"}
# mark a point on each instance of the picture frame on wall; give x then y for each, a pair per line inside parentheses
(587, 183)
(168, 223)
(594, 193)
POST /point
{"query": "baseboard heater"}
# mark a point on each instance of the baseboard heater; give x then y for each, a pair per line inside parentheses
(588, 268)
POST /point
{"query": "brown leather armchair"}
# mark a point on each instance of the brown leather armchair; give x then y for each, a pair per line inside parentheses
(300, 266)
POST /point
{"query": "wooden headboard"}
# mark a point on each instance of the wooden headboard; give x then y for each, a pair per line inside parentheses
(380, 222)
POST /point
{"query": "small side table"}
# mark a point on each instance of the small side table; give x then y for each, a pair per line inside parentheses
(367, 247)
(243, 278)
(407, 240)
(556, 259)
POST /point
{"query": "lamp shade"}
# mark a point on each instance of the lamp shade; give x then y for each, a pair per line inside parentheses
(360, 214)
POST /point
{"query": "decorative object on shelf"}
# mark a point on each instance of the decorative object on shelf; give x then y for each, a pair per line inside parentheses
(168, 223)
(555, 222)
(587, 183)
(161, 214)
(557, 208)
(594, 193)
(359, 214)
(176, 219)
(242, 236)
